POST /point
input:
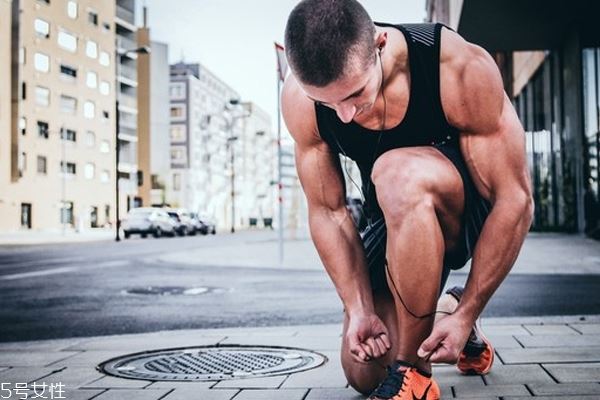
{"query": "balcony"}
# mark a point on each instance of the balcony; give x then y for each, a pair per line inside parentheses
(125, 43)
(128, 72)
(125, 14)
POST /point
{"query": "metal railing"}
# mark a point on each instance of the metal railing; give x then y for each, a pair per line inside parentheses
(125, 14)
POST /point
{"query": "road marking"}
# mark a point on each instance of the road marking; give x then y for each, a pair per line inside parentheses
(62, 270)
(37, 273)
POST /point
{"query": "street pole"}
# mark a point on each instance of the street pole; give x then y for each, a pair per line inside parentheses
(279, 173)
(63, 180)
(117, 147)
(232, 179)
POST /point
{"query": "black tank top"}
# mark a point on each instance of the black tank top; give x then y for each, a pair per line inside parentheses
(424, 123)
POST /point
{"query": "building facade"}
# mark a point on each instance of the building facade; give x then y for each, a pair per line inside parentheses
(550, 65)
(59, 169)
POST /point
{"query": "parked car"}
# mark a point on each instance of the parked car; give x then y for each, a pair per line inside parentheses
(183, 223)
(204, 224)
(198, 224)
(147, 221)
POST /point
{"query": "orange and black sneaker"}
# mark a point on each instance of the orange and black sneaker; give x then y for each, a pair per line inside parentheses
(477, 357)
(405, 382)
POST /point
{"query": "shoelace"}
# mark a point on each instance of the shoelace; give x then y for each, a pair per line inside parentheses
(392, 384)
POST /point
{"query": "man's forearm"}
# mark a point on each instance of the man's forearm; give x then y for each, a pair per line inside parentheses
(339, 247)
(496, 251)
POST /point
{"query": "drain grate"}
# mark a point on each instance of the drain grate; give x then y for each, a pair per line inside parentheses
(212, 363)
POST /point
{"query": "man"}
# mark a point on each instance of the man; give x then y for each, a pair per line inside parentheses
(442, 159)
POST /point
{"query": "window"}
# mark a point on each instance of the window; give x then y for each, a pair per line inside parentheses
(91, 80)
(22, 55)
(178, 111)
(41, 62)
(68, 104)
(177, 91)
(89, 109)
(72, 9)
(23, 90)
(68, 168)
(106, 26)
(176, 182)
(68, 72)
(89, 171)
(23, 125)
(42, 165)
(93, 18)
(42, 28)
(105, 146)
(104, 88)
(66, 213)
(178, 155)
(178, 133)
(67, 41)
(104, 59)
(105, 115)
(42, 128)
(105, 176)
(22, 163)
(90, 139)
(91, 49)
(26, 215)
(42, 96)
(68, 135)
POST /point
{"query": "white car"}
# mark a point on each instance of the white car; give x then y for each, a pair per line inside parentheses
(147, 220)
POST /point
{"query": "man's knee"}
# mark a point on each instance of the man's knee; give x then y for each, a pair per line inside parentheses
(362, 378)
(402, 185)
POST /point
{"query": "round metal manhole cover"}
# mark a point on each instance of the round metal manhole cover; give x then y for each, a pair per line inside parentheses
(173, 290)
(212, 363)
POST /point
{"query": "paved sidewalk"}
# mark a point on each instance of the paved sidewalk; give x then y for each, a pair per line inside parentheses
(29, 237)
(544, 358)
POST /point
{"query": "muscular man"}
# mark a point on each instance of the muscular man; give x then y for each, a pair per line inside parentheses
(442, 158)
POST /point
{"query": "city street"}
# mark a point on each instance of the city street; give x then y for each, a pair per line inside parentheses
(147, 285)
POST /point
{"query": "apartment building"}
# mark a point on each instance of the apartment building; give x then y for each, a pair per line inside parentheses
(57, 159)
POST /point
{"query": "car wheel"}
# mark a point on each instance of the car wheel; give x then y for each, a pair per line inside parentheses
(157, 232)
(214, 231)
(144, 235)
(126, 235)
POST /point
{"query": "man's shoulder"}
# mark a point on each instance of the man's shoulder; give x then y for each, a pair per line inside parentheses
(298, 112)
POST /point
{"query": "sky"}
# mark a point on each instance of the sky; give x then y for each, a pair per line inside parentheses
(234, 39)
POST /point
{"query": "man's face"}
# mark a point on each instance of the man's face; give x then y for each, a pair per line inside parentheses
(351, 95)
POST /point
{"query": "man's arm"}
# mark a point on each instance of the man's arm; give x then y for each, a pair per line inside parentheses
(332, 228)
(493, 144)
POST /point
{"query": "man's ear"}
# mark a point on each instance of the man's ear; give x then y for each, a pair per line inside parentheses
(381, 40)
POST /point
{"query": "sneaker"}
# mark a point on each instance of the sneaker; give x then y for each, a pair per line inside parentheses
(477, 357)
(405, 382)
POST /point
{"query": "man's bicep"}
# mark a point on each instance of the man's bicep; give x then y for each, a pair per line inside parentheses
(320, 175)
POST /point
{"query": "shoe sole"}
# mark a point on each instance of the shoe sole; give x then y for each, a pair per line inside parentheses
(470, 370)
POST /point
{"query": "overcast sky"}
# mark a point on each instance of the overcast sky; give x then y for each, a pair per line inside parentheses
(234, 39)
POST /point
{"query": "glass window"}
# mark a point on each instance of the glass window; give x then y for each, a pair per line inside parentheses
(93, 18)
(178, 155)
(177, 91)
(41, 62)
(68, 104)
(67, 41)
(68, 168)
(178, 111)
(104, 59)
(91, 49)
(178, 133)
(89, 109)
(23, 125)
(66, 213)
(105, 146)
(42, 28)
(68, 135)
(89, 171)
(176, 182)
(42, 128)
(104, 88)
(21, 55)
(104, 176)
(90, 139)
(68, 72)
(72, 9)
(42, 96)
(42, 165)
(91, 80)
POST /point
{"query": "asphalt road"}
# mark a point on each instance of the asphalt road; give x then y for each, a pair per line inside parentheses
(102, 288)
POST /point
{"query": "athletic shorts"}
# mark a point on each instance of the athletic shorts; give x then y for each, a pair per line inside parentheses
(475, 213)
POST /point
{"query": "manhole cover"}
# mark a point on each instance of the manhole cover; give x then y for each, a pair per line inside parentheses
(173, 290)
(212, 363)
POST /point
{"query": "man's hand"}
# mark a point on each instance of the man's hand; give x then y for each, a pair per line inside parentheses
(367, 337)
(447, 339)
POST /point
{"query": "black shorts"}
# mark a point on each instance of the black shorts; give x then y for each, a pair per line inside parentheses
(476, 211)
